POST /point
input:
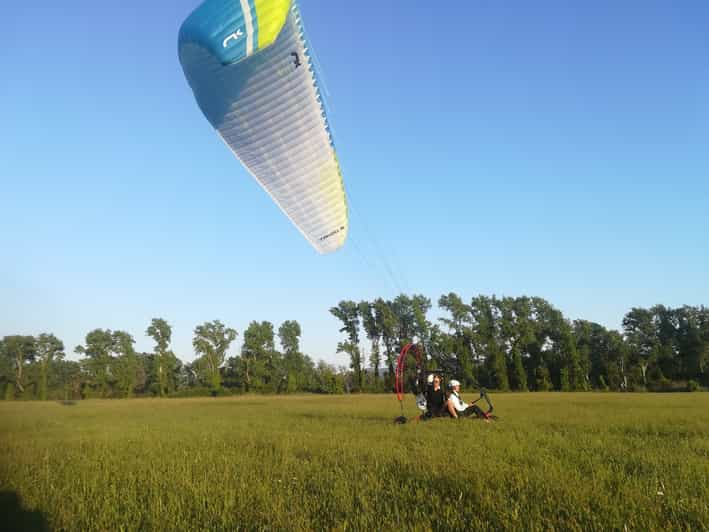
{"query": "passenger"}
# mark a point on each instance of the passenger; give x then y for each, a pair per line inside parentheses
(435, 398)
(459, 408)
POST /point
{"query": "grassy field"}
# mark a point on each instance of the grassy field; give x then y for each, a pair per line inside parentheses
(554, 461)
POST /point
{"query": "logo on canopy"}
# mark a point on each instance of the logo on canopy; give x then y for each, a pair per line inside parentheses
(234, 36)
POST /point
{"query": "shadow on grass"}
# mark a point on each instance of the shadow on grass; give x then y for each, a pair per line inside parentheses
(17, 518)
(335, 416)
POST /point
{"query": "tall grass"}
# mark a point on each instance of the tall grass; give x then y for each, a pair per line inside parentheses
(554, 461)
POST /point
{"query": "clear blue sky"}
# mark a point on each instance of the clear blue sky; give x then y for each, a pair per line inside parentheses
(558, 149)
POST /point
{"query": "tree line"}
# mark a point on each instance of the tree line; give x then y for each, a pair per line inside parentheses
(520, 344)
(37, 368)
(526, 344)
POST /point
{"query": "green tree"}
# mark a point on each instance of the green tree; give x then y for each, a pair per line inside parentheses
(19, 350)
(572, 360)
(125, 363)
(371, 328)
(211, 342)
(355, 355)
(327, 379)
(605, 352)
(165, 361)
(406, 327)
(7, 373)
(348, 313)
(289, 335)
(420, 306)
(615, 356)
(262, 368)
(48, 350)
(460, 344)
(386, 325)
(542, 378)
(97, 350)
(407, 321)
(487, 339)
(67, 379)
(692, 341)
(519, 374)
(643, 343)
(516, 330)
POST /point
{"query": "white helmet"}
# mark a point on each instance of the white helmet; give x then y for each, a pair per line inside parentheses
(453, 382)
(421, 402)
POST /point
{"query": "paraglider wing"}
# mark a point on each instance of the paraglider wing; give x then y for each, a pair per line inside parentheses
(248, 64)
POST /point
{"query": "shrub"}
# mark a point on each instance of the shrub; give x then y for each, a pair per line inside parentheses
(602, 384)
(9, 391)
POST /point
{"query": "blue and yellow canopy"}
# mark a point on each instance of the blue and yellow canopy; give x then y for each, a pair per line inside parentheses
(248, 64)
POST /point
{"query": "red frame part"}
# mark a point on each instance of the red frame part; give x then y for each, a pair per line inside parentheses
(401, 367)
